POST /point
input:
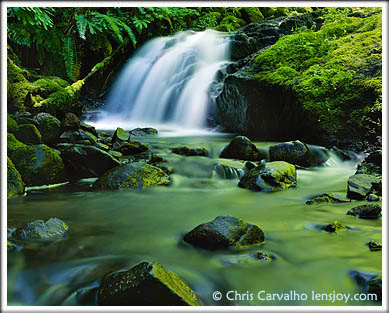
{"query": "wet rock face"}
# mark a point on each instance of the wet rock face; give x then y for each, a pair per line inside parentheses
(359, 186)
(326, 198)
(294, 152)
(190, 151)
(147, 283)
(70, 122)
(224, 232)
(83, 161)
(367, 211)
(272, 176)
(241, 148)
(53, 228)
(132, 176)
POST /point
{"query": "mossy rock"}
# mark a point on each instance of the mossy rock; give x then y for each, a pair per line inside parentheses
(190, 151)
(70, 122)
(29, 134)
(137, 132)
(79, 136)
(53, 228)
(48, 126)
(359, 186)
(120, 135)
(271, 176)
(147, 283)
(12, 126)
(37, 164)
(47, 86)
(294, 152)
(326, 198)
(131, 148)
(241, 148)
(15, 185)
(132, 176)
(224, 232)
(251, 14)
(374, 245)
(334, 227)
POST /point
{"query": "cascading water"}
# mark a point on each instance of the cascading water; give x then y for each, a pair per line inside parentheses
(166, 83)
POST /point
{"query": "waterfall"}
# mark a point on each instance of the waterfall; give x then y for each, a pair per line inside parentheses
(166, 83)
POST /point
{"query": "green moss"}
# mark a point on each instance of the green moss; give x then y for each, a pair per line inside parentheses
(15, 184)
(12, 126)
(29, 134)
(47, 87)
(335, 72)
(65, 100)
(230, 23)
(251, 14)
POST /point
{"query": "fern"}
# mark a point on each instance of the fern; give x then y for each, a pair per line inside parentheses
(81, 23)
(69, 54)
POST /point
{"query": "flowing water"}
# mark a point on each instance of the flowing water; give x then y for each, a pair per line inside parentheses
(113, 230)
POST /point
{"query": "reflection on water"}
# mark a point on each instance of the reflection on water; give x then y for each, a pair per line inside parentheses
(114, 230)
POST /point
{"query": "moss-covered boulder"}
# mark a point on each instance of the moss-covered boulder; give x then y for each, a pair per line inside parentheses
(190, 151)
(48, 126)
(15, 185)
(79, 136)
(224, 232)
(53, 228)
(272, 176)
(138, 132)
(119, 136)
(146, 284)
(131, 148)
(82, 161)
(12, 126)
(89, 128)
(366, 211)
(240, 147)
(70, 122)
(372, 164)
(132, 176)
(29, 134)
(326, 198)
(359, 186)
(37, 164)
(294, 152)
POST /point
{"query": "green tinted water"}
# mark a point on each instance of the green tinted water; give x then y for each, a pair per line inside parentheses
(113, 230)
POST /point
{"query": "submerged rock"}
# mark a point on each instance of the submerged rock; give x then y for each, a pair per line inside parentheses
(132, 176)
(29, 134)
(241, 148)
(367, 211)
(147, 283)
(370, 283)
(334, 227)
(251, 258)
(227, 172)
(48, 126)
(53, 228)
(374, 245)
(137, 132)
(272, 176)
(360, 185)
(224, 232)
(190, 151)
(84, 161)
(15, 185)
(326, 198)
(131, 148)
(37, 164)
(294, 152)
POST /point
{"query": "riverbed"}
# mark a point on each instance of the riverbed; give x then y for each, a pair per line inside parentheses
(116, 230)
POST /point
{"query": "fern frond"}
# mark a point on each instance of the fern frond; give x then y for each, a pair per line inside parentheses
(81, 23)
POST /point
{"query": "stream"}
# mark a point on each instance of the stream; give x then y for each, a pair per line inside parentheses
(115, 230)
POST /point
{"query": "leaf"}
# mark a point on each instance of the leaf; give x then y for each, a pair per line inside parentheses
(81, 23)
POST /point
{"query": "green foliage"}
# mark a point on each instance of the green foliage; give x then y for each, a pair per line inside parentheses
(336, 71)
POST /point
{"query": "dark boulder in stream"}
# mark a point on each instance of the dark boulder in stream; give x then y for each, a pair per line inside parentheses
(272, 176)
(374, 245)
(83, 161)
(326, 198)
(224, 232)
(70, 122)
(146, 284)
(132, 147)
(334, 227)
(367, 211)
(241, 148)
(138, 132)
(359, 186)
(53, 228)
(190, 151)
(119, 136)
(49, 126)
(294, 152)
(132, 176)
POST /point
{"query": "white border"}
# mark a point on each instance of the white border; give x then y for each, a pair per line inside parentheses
(6, 4)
